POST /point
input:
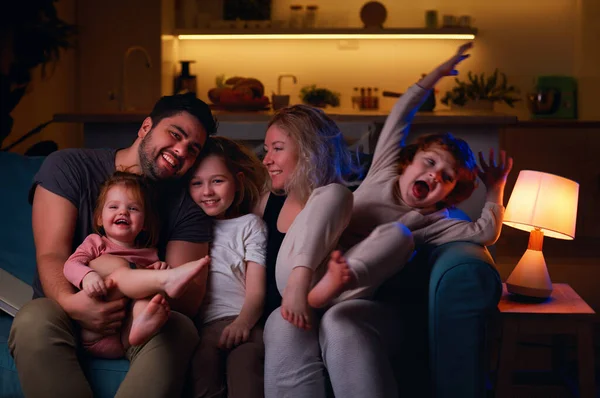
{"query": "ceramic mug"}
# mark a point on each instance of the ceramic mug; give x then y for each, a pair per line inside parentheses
(465, 21)
(449, 21)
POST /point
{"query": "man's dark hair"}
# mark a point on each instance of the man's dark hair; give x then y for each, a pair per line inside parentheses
(171, 105)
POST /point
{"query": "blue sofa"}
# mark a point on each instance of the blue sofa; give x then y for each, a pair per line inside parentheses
(446, 294)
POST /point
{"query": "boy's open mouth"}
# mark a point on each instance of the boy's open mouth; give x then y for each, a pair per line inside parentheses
(420, 189)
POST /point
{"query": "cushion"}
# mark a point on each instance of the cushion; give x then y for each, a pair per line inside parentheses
(9, 381)
(17, 252)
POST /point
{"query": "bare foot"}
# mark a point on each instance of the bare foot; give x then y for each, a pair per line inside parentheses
(178, 278)
(336, 280)
(149, 321)
(294, 307)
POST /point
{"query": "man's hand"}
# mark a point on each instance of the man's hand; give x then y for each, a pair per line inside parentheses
(93, 285)
(95, 315)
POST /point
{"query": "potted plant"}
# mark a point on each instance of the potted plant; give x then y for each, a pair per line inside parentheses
(319, 97)
(481, 93)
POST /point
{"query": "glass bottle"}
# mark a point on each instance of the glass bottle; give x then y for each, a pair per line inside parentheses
(296, 17)
(310, 16)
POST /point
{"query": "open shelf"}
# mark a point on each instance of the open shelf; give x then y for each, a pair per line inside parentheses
(326, 33)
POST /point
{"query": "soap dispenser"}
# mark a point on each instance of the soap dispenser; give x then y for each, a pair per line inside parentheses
(185, 83)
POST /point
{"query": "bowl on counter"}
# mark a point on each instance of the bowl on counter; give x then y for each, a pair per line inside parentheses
(543, 102)
(256, 104)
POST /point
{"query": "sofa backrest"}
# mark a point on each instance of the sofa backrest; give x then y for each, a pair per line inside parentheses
(17, 251)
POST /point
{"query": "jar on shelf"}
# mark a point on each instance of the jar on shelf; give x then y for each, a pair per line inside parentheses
(296, 17)
(310, 16)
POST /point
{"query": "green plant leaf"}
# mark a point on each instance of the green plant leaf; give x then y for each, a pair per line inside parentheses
(478, 86)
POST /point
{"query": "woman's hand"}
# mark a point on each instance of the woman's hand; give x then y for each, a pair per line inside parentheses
(233, 335)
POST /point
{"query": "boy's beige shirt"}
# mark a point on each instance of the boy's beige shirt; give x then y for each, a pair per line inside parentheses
(377, 200)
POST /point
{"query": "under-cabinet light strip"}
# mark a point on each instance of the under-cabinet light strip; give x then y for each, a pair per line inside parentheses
(324, 36)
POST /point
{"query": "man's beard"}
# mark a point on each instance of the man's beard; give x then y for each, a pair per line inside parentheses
(147, 161)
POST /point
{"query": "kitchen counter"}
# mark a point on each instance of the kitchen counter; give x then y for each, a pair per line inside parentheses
(558, 123)
(339, 115)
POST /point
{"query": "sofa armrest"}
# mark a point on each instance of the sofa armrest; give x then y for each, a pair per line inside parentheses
(464, 290)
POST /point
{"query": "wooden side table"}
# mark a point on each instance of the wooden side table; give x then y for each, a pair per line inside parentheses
(563, 313)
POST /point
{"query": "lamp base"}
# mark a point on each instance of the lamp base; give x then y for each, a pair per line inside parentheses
(530, 277)
(529, 292)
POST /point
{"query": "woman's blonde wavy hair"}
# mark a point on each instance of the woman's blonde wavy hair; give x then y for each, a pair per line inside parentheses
(323, 157)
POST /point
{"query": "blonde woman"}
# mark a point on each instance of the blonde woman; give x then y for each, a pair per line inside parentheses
(306, 158)
(351, 341)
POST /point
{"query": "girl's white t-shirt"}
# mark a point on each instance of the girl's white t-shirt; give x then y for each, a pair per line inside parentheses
(235, 241)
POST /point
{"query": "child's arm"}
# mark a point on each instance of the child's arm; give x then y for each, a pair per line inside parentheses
(77, 265)
(239, 330)
(486, 230)
(396, 125)
(494, 176)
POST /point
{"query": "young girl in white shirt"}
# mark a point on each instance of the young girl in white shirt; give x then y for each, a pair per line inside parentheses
(227, 184)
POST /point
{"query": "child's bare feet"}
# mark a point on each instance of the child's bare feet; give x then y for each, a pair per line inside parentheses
(336, 280)
(177, 278)
(149, 321)
(294, 306)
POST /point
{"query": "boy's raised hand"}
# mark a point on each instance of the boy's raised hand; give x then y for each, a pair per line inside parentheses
(448, 67)
(494, 174)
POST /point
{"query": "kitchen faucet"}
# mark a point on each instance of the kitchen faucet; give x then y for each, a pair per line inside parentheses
(279, 82)
(128, 52)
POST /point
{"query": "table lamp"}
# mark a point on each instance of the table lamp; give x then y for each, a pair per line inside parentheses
(542, 204)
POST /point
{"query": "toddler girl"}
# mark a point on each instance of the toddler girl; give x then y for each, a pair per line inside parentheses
(127, 227)
(227, 184)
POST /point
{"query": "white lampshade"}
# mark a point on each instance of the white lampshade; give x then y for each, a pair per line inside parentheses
(543, 201)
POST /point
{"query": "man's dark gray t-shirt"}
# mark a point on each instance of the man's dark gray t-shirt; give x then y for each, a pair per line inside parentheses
(77, 175)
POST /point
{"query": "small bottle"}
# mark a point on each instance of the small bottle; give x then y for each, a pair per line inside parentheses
(369, 101)
(375, 98)
(296, 17)
(356, 98)
(185, 82)
(363, 99)
(310, 16)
